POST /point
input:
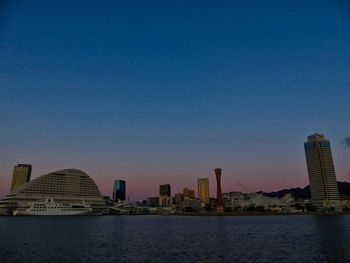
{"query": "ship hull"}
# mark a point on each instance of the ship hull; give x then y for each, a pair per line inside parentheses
(53, 212)
(49, 207)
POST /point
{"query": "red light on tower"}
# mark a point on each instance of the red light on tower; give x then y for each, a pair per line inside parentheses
(219, 201)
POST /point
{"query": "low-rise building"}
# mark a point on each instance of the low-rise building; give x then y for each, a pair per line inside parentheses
(188, 193)
(152, 201)
(190, 205)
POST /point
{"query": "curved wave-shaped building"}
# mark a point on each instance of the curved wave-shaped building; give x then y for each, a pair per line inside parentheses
(68, 186)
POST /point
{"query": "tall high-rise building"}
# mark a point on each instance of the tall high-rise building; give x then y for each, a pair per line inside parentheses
(165, 195)
(119, 190)
(323, 182)
(21, 175)
(165, 190)
(219, 201)
(203, 190)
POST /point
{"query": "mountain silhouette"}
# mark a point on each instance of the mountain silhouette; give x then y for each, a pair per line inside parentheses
(304, 193)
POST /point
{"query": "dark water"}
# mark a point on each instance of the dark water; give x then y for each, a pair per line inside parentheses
(175, 239)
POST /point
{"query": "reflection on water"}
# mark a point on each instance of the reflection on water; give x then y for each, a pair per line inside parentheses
(175, 239)
(331, 237)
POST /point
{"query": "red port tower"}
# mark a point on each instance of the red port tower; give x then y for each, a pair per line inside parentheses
(219, 201)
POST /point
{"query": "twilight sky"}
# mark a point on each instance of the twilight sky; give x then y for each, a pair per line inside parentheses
(163, 92)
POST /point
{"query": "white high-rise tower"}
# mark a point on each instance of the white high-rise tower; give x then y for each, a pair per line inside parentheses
(323, 183)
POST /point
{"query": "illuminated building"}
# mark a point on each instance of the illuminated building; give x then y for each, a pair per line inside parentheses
(21, 175)
(203, 190)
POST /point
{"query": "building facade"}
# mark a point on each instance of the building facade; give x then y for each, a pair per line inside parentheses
(70, 186)
(165, 190)
(20, 176)
(203, 190)
(323, 183)
(119, 190)
(152, 201)
(190, 205)
(233, 201)
(178, 198)
(165, 195)
(188, 193)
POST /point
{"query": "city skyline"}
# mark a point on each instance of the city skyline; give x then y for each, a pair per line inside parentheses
(107, 188)
(162, 93)
(243, 188)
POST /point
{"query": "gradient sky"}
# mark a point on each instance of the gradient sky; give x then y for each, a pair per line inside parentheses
(163, 92)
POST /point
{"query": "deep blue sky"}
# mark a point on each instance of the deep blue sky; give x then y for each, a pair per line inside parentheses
(160, 91)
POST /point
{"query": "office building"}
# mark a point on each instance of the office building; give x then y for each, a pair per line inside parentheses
(165, 201)
(165, 190)
(178, 198)
(212, 204)
(119, 190)
(21, 175)
(152, 201)
(188, 193)
(203, 190)
(323, 183)
(190, 205)
(165, 195)
(235, 200)
(219, 200)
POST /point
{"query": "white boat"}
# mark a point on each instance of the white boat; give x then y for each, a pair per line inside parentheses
(48, 207)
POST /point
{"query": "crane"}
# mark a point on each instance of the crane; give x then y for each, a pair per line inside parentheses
(129, 195)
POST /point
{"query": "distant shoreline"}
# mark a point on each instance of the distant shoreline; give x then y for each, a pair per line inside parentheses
(240, 214)
(212, 214)
(261, 214)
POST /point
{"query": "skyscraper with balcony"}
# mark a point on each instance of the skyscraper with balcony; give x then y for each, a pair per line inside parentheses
(323, 183)
(203, 190)
(21, 175)
(119, 190)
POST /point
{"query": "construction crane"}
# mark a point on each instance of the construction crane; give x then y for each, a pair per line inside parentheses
(129, 195)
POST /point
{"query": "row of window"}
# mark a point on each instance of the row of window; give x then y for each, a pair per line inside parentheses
(45, 210)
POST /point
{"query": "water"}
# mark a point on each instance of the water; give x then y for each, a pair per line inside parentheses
(175, 239)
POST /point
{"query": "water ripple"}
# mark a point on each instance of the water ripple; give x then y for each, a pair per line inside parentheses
(175, 239)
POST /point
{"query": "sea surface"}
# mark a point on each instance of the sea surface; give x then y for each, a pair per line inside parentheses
(175, 239)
